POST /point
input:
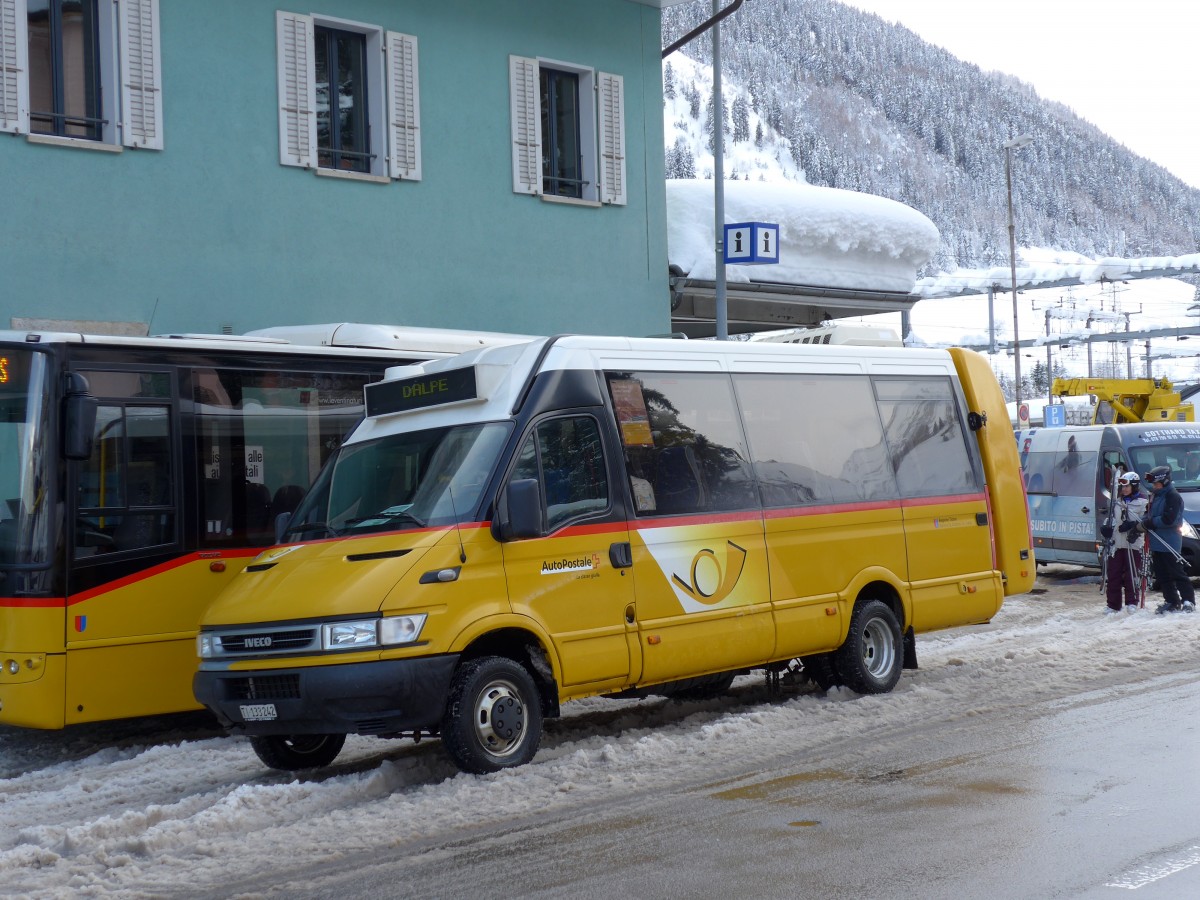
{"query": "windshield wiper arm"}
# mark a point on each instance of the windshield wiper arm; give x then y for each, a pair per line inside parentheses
(302, 527)
(387, 516)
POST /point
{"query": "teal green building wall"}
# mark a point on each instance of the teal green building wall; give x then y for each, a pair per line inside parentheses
(212, 231)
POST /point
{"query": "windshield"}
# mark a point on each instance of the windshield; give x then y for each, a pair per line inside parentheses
(24, 407)
(414, 480)
(1182, 456)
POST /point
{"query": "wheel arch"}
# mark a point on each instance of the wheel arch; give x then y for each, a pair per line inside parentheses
(525, 647)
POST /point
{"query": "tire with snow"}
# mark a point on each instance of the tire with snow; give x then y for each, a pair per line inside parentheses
(297, 751)
(821, 671)
(870, 660)
(493, 719)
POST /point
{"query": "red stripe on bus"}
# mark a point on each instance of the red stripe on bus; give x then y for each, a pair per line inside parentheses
(167, 566)
(33, 602)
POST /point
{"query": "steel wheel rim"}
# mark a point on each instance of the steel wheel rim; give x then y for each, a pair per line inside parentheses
(878, 648)
(305, 744)
(500, 718)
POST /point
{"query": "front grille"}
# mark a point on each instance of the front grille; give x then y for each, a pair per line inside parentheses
(265, 641)
(264, 687)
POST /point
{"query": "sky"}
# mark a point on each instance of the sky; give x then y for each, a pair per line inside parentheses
(143, 809)
(1128, 68)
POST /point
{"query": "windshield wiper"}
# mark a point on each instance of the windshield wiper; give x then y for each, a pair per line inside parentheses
(385, 516)
(302, 527)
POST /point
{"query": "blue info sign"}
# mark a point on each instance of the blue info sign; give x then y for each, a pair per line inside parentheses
(1054, 415)
(752, 243)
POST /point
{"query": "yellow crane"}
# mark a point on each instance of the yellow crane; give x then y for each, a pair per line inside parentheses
(1128, 399)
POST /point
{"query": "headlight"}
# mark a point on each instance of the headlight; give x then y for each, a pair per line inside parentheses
(400, 629)
(204, 645)
(345, 635)
(1187, 529)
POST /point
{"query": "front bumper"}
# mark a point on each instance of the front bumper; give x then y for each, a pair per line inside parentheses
(378, 697)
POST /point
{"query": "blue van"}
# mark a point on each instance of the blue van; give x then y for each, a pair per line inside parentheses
(1068, 478)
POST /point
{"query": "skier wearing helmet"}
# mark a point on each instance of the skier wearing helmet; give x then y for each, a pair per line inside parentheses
(1124, 562)
(1162, 522)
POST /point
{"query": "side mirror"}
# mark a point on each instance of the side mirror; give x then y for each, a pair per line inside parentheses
(79, 418)
(281, 523)
(523, 510)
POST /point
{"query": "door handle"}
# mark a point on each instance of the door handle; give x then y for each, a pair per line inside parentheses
(1084, 509)
(620, 555)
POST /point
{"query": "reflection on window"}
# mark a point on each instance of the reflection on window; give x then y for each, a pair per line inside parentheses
(562, 164)
(815, 439)
(262, 437)
(125, 497)
(684, 447)
(341, 80)
(434, 477)
(64, 68)
(570, 457)
(925, 436)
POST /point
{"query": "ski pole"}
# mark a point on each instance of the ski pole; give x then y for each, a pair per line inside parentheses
(1175, 553)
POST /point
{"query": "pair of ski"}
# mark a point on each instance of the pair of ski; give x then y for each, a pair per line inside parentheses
(1139, 574)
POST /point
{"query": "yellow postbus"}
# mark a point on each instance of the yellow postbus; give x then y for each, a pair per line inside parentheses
(138, 476)
(574, 516)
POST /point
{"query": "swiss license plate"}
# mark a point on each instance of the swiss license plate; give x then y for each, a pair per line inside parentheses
(258, 712)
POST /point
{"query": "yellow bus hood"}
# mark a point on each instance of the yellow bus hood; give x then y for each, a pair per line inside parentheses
(321, 579)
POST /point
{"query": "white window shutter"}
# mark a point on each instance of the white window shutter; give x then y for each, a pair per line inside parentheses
(297, 90)
(141, 75)
(404, 107)
(525, 98)
(14, 67)
(612, 138)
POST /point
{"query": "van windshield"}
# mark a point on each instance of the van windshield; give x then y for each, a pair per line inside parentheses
(418, 479)
(1182, 456)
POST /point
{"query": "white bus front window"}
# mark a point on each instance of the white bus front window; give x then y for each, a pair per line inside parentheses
(413, 480)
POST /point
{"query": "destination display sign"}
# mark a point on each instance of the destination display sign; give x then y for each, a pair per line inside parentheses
(407, 394)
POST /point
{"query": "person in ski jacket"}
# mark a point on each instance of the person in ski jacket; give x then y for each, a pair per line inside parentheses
(1162, 522)
(1124, 541)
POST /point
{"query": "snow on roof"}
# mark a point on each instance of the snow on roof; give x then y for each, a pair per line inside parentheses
(1057, 268)
(827, 237)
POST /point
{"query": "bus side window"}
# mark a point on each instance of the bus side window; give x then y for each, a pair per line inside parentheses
(568, 454)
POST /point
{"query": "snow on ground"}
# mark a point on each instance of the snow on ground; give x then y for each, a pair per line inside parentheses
(153, 808)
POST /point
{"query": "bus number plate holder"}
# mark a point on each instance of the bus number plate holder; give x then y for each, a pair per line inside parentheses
(258, 712)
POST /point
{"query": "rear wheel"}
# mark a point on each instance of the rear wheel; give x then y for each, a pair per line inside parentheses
(871, 658)
(297, 751)
(493, 719)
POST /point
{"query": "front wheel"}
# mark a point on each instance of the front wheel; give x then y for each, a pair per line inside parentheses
(493, 719)
(297, 751)
(870, 660)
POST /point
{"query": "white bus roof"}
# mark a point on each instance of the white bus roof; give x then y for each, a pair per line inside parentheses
(350, 340)
(501, 372)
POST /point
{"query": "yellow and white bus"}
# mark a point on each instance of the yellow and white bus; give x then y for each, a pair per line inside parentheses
(137, 476)
(574, 516)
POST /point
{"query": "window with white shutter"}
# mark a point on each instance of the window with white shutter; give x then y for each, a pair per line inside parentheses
(297, 90)
(568, 131)
(349, 101)
(612, 138)
(141, 79)
(83, 73)
(14, 73)
(404, 107)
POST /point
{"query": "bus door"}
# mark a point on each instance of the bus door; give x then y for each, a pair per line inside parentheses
(576, 580)
(126, 529)
(700, 562)
(947, 529)
(1070, 512)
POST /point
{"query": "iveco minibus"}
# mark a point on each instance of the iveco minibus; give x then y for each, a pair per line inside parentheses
(525, 525)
